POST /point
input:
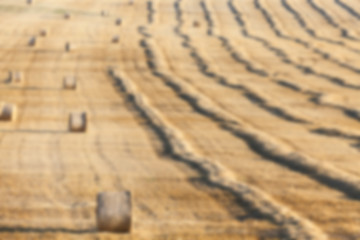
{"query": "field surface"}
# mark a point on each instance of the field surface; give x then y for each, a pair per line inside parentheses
(226, 119)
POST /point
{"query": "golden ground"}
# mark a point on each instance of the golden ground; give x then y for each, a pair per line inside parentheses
(225, 119)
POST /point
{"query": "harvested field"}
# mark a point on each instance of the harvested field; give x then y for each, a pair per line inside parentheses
(208, 119)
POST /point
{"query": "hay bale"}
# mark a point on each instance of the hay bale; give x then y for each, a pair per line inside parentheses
(104, 13)
(196, 24)
(68, 47)
(78, 122)
(115, 39)
(70, 83)
(111, 71)
(16, 78)
(118, 21)
(43, 33)
(8, 112)
(32, 41)
(67, 15)
(113, 211)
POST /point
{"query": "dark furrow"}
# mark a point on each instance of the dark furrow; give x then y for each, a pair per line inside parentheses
(209, 20)
(301, 21)
(264, 145)
(348, 9)
(252, 96)
(262, 103)
(240, 59)
(255, 98)
(213, 173)
(325, 55)
(344, 32)
(151, 12)
(330, 132)
(316, 98)
(288, 85)
(247, 93)
(283, 56)
(229, 48)
(352, 113)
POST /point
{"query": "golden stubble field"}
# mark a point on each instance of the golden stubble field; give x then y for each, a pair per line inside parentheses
(231, 119)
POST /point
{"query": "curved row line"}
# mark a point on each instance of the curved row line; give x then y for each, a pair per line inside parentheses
(329, 19)
(214, 173)
(330, 132)
(251, 94)
(339, 81)
(348, 112)
(259, 142)
(348, 9)
(301, 21)
(228, 47)
(317, 98)
(151, 12)
(325, 55)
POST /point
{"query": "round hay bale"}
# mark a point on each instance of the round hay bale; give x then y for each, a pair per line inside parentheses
(32, 42)
(69, 83)
(68, 47)
(8, 112)
(78, 122)
(67, 15)
(196, 24)
(104, 13)
(43, 33)
(16, 77)
(113, 211)
(118, 21)
(115, 39)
